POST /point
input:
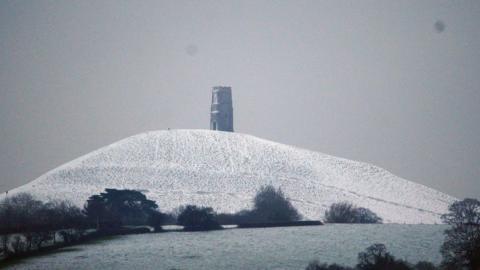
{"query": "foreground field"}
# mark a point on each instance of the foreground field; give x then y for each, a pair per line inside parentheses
(269, 248)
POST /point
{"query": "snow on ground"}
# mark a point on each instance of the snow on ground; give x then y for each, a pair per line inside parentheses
(224, 170)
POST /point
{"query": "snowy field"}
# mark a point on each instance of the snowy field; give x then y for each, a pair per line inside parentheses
(269, 248)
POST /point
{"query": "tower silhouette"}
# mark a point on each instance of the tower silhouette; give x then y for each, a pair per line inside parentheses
(221, 112)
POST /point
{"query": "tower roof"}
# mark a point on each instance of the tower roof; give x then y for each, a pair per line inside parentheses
(222, 89)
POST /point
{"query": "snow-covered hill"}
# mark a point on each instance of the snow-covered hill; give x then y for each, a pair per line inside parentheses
(224, 170)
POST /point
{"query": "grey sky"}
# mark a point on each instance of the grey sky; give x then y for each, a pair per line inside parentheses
(367, 80)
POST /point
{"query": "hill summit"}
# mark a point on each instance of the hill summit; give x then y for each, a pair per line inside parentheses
(224, 170)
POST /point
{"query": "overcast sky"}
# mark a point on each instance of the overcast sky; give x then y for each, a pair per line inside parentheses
(393, 83)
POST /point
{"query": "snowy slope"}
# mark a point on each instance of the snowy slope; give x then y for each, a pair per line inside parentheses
(223, 170)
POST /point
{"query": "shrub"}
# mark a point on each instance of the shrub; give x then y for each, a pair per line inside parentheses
(194, 218)
(271, 205)
(342, 212)
(345, 212)
(364, 215)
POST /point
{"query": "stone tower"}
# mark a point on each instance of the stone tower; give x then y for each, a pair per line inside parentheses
(221, 113)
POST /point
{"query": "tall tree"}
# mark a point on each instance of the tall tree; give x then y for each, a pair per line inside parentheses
(461, 249)
(115, 208)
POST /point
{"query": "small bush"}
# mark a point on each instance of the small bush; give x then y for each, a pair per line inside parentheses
(345, 212)
(364, 215)
(271, 205)
(195, 218)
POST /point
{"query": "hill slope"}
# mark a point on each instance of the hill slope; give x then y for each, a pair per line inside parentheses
(223, 170)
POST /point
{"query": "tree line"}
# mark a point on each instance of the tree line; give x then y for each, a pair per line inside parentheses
(28, 224)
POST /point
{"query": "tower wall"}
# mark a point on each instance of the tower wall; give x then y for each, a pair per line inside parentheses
(221, 112)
